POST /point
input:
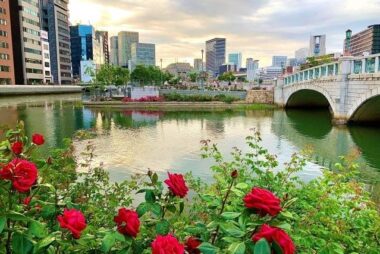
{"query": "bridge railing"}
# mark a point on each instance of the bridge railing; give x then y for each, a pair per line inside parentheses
(359, 65)
(317, 72)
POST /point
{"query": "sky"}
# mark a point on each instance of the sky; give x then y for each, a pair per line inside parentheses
(256, 28)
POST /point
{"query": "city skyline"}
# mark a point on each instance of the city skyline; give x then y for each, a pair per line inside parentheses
(259, 30)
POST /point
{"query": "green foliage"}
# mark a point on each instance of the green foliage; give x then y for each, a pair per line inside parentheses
(149, 75)
(111, 75)
(227, 76)
(331, 214)
(200, 98)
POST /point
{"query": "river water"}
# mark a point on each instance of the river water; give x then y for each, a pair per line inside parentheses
(131, 141)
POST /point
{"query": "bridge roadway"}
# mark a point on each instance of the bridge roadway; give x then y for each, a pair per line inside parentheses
(350, 88)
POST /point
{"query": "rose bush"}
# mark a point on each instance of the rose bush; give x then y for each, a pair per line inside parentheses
(65, 204)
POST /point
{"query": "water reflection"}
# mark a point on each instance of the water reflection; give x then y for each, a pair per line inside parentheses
(132, 141)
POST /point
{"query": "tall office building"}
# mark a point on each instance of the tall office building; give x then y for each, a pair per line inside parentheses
(48, 79)
(25, 22)
(198, 65)
(143, 54)
(236, 59)
(279, 61)
(215, 55)
(125, 41)
(301, 55)
(55, 20)
(252, 68)
(317, 45)
(366, 41)
(103, 36)
(82, 42)
(114, 50)
(7, 73)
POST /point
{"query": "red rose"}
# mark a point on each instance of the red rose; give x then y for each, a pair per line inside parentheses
(263, 202)
(74, 221)
(27, 200)
(234, 174)
(22, 173)
(38, 139)
(17, 147)
(128, 222)
(192, 244)
(177, 185)
(273, 234)
(167, 245)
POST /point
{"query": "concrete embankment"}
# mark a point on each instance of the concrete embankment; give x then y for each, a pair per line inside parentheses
(11, 90)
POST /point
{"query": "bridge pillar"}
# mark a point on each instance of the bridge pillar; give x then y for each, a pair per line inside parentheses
(340, 115)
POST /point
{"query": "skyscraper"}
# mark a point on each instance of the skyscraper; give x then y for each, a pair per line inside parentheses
(317, 45)
(7, 74)
(82, 41)
(367, 40)
(143, 54)
(114, 50)
(46, 57)
(215, 55)
(236, 59)
(25, 22)
(125, 40)
(55, 20)
(301, 55)
(252, 68)
(104, 39)
(279, 61)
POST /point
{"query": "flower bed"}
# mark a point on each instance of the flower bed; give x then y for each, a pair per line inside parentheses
(144, 99)
(248, 209)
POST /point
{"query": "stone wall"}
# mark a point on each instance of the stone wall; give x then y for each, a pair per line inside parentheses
(260, 96)
(37, 89)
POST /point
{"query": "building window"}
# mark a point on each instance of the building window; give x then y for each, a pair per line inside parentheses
(47, 73)
(35, 42)
(4, 56)
(47, 64)
(33, 51)
(3, 22)
(31, 31)
(3, 33)
(5, 81)
(46, 56)
(33, 61)
(370, 65)
(3, 11)
(31, 12)
(31, 21)
(4, 45)
(4, 68)
(35, 71)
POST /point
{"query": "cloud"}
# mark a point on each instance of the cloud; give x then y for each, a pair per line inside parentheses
(257, 28)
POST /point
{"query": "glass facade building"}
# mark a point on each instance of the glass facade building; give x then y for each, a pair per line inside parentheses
(366, 41)
(236, 59)
(215, 55)
(125, 41)
(81, 45)
(143, 54)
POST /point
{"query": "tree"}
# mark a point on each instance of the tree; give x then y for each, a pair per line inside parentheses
(227, 76)
(110, 75)
(193, 76)
(148, 75)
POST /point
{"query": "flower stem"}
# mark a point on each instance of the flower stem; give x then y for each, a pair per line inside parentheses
(215, 234)
(9, 238)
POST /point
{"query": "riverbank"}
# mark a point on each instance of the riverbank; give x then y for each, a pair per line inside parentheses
(167, 105)
(16, 90)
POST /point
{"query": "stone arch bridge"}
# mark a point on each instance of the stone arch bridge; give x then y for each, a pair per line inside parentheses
(350, 88)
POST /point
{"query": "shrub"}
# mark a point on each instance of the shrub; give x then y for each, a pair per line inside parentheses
(144, 99)
(249, 208)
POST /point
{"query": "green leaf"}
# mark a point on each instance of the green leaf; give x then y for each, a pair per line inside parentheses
(154, 178)
(181, 206)
(163, 227)
(38, 229)
(230, 215)
(142, 209)
(207, 248)
(237, 248)
(3, 221)
(21, 244)
(241, 186)
(43, 243)
(287, 214)
(262, 247)
(149, 196)
(285, 226)
(232, 230)
(156, 209)
(17, 216)
(276, 248)
(108, 242)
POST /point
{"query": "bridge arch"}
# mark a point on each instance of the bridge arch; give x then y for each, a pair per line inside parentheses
(309, 96)
(366, 108)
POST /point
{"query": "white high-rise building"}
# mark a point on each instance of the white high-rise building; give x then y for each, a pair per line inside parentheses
(317, 45)
(114, 50)
(46, 64)
(252, 68)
